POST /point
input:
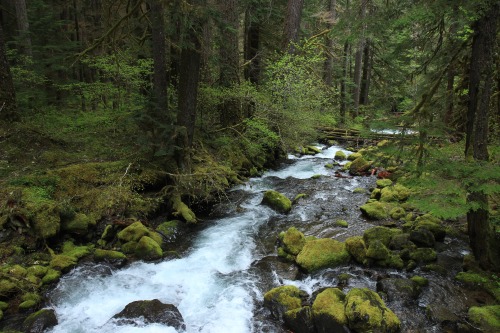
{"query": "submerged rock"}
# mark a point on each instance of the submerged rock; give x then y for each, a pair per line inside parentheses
(322, 253)
(151, 312)
(277, 201)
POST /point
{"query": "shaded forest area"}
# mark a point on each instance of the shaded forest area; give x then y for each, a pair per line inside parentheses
(117, 111)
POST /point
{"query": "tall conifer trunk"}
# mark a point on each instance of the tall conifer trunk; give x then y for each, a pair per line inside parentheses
(292, 24)
(8, 108)
(483, 238)
(160, 82)
(23, 27)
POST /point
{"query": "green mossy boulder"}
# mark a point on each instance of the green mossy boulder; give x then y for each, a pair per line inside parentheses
(293, 241)
(133, 232)
(397, 213)
(420, 281)
(4, 306)
(367, 312)
(340, 155)
(78, 252)
(299, 320)
(313, 149)
(354, 156)
(129, 247)
(375, 194)
(169, 229)
(382, 234)
(282, 299)
(7, 287)
(18, 271)
(431, 223)
(40, 321)
(377, 250)
(37, 270)
(359, 166)
(277, 201)
(79, 224)
(322, 253)
(381, 183)
(328, 311)
(375, 210)
(44, 212)
(63, 262)
(423, 255)
(357, 248)
(487, 318)
(29, 300)
(342, 223)
(148, 249)
(182, 210)
(396, 193)
(51, 276)
(100, 254)
(359, 190)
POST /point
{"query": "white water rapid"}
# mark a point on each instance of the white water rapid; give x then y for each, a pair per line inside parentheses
(211, 285)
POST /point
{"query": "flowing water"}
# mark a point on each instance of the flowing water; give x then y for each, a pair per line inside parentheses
(219, 283)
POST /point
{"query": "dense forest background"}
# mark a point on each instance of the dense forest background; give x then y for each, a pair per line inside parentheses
(188, 97)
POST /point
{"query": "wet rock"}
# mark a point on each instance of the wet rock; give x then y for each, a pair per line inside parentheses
(277, 201)
(340, 155)
(300, 320)
(151, 312)
(285, 270)
(487, 318)
(442, 315)
(375, 210)
(109, 255)
(357, 249)
(422, 237)
(282, 299)
(367, 312)
(329, 311)
(40, 321)
(322, 253)
(402, 290)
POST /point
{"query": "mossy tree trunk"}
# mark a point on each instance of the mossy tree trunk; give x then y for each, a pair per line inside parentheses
(483, 238)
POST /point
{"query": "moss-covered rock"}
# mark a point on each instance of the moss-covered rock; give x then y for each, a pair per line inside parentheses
(79, 224)
(354, 156)
(367, 312)
(169, 229)
(37, 270)
(340, 155)
(18, 271)
(397, 213)
(100, 254)
(313, 149)
(77, 252)
(282, 299)
(133, 232)
(293, 241)
(431, 223)
(40, 321)
(4, 306)
(422, 237)
(381, 183)
(322, 253)
(182, 210)
(129, 247)
(423, 255)
(377, 250)
(342, 223)
(328, 311)
(7, 287)
(486, 317)
(375, 194)
(394, 193)
(359, 166)
(63, 263)
(299, 320)
(375, 210)
(357, 248)
(148, 249)
(359, 190)
(42, 210)
(298, 197)
(277, 201)
(51, 276)
(29, 300)
(420, 281)
(382, 234)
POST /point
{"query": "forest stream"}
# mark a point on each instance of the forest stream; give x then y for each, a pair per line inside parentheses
(218, 284)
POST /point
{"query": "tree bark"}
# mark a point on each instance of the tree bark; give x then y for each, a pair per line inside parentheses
(482, 236)
(252, 44)
(343, 85)
(160, 82)
(358, 61)
(367, 74)
(292, 24)
(8, 107)
(328, 67)
(23, 27)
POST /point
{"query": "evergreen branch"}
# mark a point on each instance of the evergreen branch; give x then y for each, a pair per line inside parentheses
(101, 39)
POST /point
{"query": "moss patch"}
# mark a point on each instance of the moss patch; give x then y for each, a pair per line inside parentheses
(375, 210)
(486, 317)
(330, 302)
(148, 249)
(277, 201)
(356, 247)
(322, 253)
(293, 241)
(282, 299)
(382, 234)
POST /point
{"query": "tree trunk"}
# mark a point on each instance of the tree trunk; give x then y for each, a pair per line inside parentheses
(8, 108)
(343, 85)
(160, 82)
(358, 61)
(229, 59)
(367, 75)
(482, 236)
(292, 24)
(24, 27)
(328, 67)
(252, 41)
